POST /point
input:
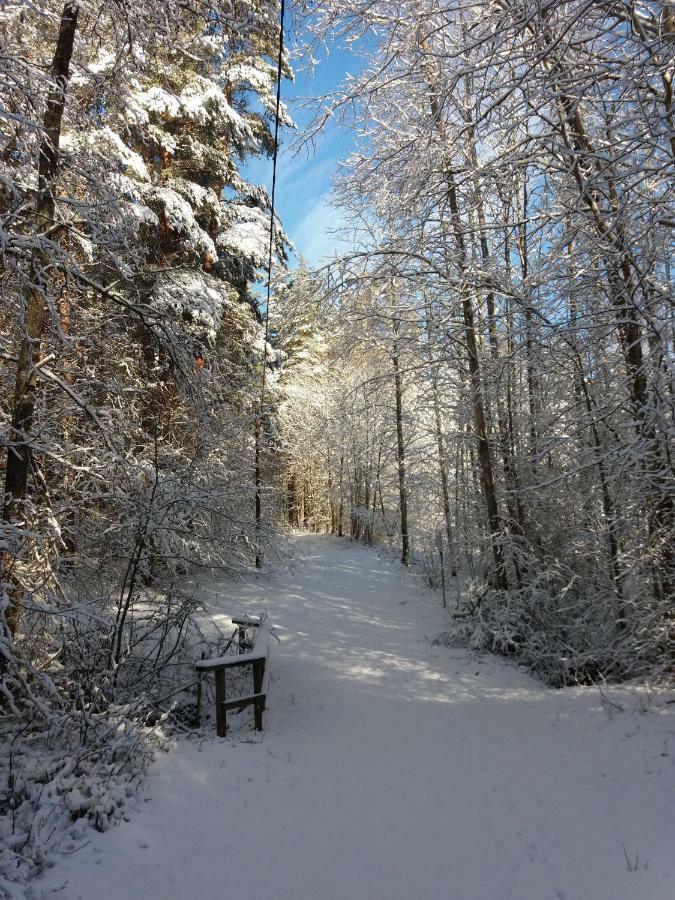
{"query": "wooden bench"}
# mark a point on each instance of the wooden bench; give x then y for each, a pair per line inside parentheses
(244, 623)
(257, 658)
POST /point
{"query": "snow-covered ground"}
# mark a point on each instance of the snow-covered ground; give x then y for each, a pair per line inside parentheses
(392, 769)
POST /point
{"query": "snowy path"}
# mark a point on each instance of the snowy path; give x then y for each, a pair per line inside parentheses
(393, 770)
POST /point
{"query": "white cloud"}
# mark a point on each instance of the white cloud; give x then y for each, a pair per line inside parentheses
(320, 234)
(306, 175)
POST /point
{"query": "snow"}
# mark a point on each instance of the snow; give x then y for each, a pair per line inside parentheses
(391, 768)
(246, 238)
(144, 215)
(262, 346)
(248, 234)
(204, 102)
(180, 218)
(113, 147)
(261, 78)
(197, 298)
(201, 101)
(155, 100)
(163, 138)
(260, 652)
(203, 200)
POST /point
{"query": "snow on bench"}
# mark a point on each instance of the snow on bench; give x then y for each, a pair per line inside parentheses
(244, 623)
(248, 620)
(257, 658)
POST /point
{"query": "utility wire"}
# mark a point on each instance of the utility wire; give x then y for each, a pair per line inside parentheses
(259, 425)
(275, 154)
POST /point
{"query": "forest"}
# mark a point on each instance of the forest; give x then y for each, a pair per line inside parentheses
(477, 383)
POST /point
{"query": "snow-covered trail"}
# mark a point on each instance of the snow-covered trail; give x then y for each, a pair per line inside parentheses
(391, 769)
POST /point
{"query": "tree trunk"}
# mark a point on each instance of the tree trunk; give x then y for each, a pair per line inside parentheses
(341, 503)
(592, 175)
(292, 493)
(19, 454)
(440, 447)
(400, 454)
(257, 478)
(471, 344)
(514, 504)
(523, 249)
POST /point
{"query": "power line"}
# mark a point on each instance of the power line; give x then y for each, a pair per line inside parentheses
(275, 154)
(259, 424)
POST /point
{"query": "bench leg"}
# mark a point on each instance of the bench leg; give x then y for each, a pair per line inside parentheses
(221, 721)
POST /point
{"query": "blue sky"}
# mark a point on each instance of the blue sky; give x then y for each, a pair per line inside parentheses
(304, 180)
